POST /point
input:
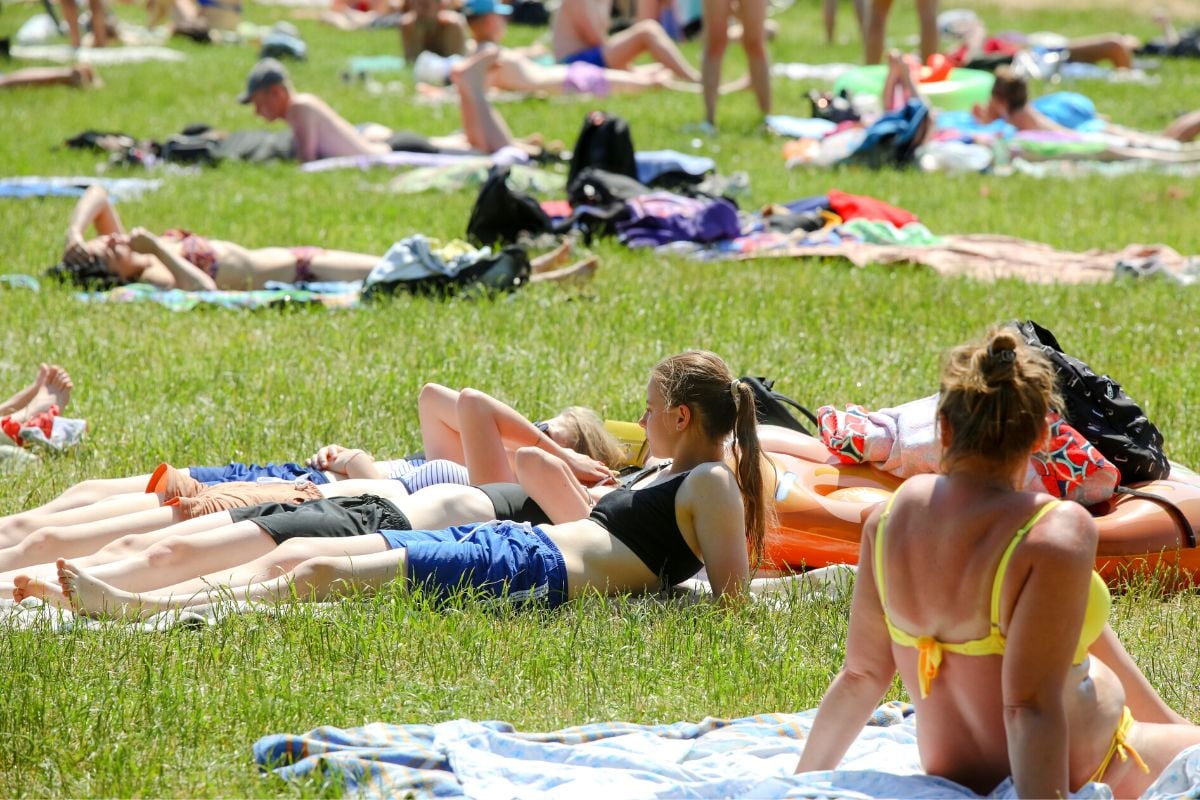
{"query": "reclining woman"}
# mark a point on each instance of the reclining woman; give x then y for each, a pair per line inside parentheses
(468, 428)
(699, 512)
(180, 259)
(955, 577)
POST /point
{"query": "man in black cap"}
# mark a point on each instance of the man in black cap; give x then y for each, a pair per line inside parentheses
(319, 130)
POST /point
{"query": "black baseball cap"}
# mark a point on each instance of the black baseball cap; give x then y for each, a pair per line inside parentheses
(267, 72)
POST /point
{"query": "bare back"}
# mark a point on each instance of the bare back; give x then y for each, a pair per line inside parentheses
(323, 133)
(573, 20)
(943, 546)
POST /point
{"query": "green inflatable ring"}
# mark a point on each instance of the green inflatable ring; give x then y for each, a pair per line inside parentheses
(963, 89)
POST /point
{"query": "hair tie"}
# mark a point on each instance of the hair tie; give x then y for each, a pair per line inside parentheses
(734, 386)
(1003, 356)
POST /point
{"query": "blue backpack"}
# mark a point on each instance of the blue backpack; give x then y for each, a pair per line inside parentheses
(893, 139)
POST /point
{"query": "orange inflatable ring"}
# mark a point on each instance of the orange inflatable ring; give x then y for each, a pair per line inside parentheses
(821, 508)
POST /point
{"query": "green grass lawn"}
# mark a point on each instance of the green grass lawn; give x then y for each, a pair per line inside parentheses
(114, 713)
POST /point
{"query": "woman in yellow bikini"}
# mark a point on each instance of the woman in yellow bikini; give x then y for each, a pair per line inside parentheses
(983, 598)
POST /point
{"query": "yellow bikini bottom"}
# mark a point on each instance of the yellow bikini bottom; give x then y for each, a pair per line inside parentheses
(1119, 747)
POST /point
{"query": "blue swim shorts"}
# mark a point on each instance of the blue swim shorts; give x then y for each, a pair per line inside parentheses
(510, 560)
(252, 472)
(593, 56)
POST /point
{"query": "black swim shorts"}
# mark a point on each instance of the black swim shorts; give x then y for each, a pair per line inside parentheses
(333, 517)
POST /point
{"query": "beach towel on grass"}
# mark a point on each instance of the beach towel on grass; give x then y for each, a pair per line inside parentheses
(344, 295)
(59, 186)
(99, 56)
(713, 758)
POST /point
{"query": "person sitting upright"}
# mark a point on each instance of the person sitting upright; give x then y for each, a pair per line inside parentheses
(427, 25)
(579, 32)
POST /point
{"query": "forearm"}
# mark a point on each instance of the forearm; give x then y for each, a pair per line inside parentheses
(93, 207)
(1037, 750)
(844, 711)
(187, 275)
(362, 465)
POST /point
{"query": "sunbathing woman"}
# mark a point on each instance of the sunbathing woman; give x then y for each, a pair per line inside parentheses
(179, 259)
(1066, 111)
(699, 512)
(955, 598)
(468, 428)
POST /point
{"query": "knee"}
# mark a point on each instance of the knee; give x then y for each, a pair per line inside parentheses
(124, 546)
(755, 45)
(169, 552)
(529, 460)
(472, 401)
(649, 29)
(316, 575)
(43, 543)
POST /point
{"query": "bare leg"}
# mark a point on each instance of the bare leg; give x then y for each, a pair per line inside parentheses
(79, 540)
(23, 397)
(99, 23)
(484, 453)
(829, 9)
(51, 388)
(580, 270)
(315, 579)
(898, 86)
(279, 562)
(649, 37)
(437, 410)
(1112, 47)
(485, 128)
(754, 20)
(263, 264)
(180, 558)
(1184, 128)
(927, 11)
(85, 502)
(876, 30)
(716, 39)
(71, 14)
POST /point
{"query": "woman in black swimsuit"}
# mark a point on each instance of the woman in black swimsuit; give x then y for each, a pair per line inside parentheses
(697, 512)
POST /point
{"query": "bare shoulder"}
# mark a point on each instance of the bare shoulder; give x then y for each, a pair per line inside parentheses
(1066, 532)
(713, 478)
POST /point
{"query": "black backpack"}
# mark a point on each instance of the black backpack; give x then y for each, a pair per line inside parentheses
(605, 143)
(1097, 407)
(772, 406)
(501, 215)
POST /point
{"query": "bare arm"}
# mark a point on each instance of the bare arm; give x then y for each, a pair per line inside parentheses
(715, 510)
(550, 484)
(351, 462)
(490, 429)
(186, 274)
(1037, 657)
(1145, 703)
(304, 129)
(866, 673)
(94, 208)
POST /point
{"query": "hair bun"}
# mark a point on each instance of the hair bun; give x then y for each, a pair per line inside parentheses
(999, 361)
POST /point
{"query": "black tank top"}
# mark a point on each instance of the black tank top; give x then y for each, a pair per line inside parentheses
(644, 521)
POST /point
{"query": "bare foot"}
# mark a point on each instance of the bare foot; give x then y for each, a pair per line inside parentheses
(92, 597)
(556, 258)
(47, 591)
(84, 76)
(52, 388)
(474, 68)
(579, 271)
(23, 397)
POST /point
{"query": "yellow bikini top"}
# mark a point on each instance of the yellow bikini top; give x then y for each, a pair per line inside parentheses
(930, 650)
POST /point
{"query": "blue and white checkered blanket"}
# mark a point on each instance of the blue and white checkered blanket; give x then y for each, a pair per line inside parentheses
(713, 758)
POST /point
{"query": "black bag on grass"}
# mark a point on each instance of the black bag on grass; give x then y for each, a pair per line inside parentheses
(773, 408)
(501, 215)
(1098, 407)
(605, 143)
